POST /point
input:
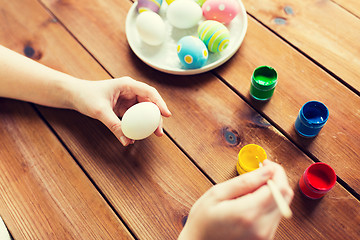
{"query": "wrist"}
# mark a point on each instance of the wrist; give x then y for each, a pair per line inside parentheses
(65, 90)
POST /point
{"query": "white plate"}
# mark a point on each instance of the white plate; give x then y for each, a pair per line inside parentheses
(164, 57)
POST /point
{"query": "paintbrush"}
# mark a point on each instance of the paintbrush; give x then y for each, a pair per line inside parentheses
(279, 199)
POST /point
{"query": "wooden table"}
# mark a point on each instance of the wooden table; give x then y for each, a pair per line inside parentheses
(65, 176)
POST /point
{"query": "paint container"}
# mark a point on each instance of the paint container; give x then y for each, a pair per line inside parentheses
(249, 158)
(312, 117)
(317, 180)
(263, 82)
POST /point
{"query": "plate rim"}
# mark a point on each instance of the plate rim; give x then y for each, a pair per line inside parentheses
(180, 71)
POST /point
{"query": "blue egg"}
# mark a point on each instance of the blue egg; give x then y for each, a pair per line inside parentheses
(192, 52)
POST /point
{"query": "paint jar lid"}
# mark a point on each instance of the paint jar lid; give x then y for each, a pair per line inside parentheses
(314, 114)
(321, 177)
(250, 156)
(264, 78)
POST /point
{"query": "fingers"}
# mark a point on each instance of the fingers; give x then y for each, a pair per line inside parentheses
(261, 198)
(113, 123)
(148, 93)
(280, 179)
(242, 185)
(159, 131)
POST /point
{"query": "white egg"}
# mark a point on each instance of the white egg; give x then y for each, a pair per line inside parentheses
(184, 13)
(151, 28)
(140, 120)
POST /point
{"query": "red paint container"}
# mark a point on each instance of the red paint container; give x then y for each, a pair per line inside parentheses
(317, 180)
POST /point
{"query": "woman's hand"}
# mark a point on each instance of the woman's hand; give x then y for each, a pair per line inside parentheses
(107, 100)
(27, 80)
(240, 208)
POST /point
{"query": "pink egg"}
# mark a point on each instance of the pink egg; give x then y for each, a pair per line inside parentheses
(223, 11)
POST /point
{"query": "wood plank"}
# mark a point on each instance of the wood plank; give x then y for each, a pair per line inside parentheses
(200, 123)
(326, 147)
(301, 81)
(321, 29)
(151, 185)
(352, 6)
(114, 168)
(43, 192)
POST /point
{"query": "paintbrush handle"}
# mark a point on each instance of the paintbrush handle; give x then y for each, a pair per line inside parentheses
(279, 199)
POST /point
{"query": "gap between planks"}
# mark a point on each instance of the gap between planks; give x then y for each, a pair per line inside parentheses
(311, 156)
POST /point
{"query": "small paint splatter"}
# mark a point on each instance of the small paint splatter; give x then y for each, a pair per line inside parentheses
(280, 21)
(29, 51)
(259, 121)
(288, 10)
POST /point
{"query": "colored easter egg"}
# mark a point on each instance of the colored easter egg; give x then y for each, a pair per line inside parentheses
(200, 2)
(151, 28)
(215, 35)
(192, 52)
(223, 11)
(148, 5)
(184, 14)
(169, 1)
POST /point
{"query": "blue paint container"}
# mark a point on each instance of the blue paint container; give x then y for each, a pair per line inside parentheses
(312, 117)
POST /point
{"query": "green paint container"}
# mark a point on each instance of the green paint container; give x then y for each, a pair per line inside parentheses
(263, 82)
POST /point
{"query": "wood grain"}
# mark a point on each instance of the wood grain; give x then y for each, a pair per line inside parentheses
(151, 185)
(209, 132)
(43, 192)
(321, 29)
(299, 81)
(327, 147)
(352, 6)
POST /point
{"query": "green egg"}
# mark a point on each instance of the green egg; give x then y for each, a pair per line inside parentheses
(215, 35)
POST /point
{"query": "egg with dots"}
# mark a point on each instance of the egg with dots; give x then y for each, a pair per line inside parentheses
(223, 11)
(192, 52)
(215, 35)
(184, 14)
(140, 120)
(148, 5)
(151, 28)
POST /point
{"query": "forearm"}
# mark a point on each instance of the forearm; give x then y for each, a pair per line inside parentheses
(24, 79)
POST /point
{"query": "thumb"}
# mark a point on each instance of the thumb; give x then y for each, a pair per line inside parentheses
(243, 184)
(113, 123)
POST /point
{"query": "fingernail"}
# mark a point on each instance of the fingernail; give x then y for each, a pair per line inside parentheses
(124, 141)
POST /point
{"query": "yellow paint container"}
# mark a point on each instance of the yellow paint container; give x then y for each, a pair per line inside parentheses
(249, 158)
